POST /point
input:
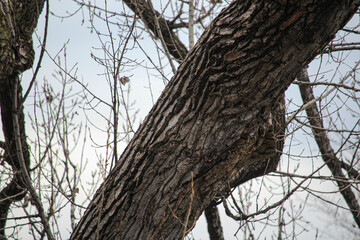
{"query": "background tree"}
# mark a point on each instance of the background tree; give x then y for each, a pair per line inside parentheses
(115, 64)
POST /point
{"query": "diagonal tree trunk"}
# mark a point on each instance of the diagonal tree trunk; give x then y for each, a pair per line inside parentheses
(211, 117)
(178, 50)
(261, 165)
(327, 152)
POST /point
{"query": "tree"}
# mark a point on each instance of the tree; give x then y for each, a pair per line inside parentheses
(208, 150)
(18, 21)
(214, 120)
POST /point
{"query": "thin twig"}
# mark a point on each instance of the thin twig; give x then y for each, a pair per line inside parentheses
(24, 171)
(159, 32)
(327, 84)
(310, 103)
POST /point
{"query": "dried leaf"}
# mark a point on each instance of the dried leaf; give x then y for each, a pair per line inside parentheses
(124, 80)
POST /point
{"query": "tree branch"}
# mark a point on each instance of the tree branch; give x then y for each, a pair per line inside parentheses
(323, 142)
(23, 165)
(172, 42)
(17, 55)
(213, 223)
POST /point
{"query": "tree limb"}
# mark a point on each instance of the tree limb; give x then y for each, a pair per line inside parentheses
(144, 11)
(328, 155)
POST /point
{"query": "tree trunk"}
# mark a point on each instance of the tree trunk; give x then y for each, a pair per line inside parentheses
(18, 20)
(261, 165)
(211, 117)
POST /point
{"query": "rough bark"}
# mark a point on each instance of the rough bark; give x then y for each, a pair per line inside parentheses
(178, 51)
(278, 131)
(275, 135)
(266, 157)
(327, 152)
(211, 117)
(18, 20)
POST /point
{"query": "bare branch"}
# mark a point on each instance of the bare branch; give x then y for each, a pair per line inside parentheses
(24, 170)
(322, 140)
(43, 44)
(310, 103)
(147, 14)
(338, 85)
